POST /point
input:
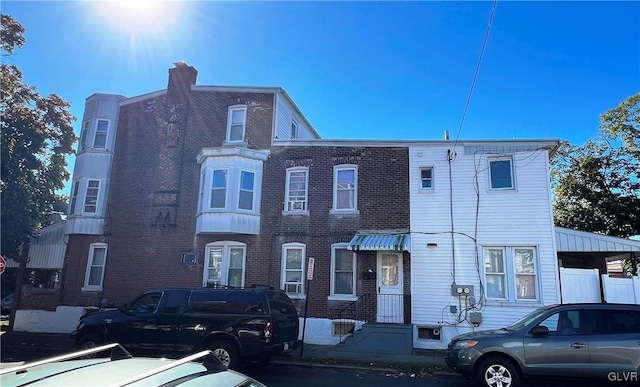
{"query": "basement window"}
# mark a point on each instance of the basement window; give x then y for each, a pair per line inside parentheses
(341, 328)
(430, 333)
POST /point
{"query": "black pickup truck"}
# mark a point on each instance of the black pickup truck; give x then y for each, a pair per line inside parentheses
(238, 325)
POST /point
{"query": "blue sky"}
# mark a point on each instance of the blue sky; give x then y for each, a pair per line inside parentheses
(357, 70)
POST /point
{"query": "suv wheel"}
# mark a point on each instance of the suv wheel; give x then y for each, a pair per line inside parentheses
(497, 372)
(226, 352)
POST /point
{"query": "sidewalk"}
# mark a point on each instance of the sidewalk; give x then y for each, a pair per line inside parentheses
(40, 345)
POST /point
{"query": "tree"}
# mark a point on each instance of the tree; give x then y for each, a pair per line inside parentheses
(36, 135)
(597, 185)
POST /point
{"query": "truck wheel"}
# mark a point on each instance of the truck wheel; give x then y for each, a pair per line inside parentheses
(88, 342)
(226, 352)
(497, 372)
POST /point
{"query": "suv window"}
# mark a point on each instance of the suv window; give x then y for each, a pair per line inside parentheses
(280, 303)
(226, 301)
(613, 321)
(563, 323)
(174, 300)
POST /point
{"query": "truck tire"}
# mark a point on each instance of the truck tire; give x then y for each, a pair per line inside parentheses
(226, 352)
(89, 341)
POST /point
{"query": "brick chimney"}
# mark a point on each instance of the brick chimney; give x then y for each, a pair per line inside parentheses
(181, 77)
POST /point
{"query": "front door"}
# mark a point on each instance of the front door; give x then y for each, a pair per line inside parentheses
(390, 285)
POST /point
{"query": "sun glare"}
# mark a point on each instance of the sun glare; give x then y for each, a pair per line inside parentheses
(139, 17)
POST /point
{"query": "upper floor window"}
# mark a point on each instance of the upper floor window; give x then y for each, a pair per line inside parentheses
(293, 257)
(345, 188)
(225, 264)
(83, 136)
(100, 138)
(501, 173)
(343, 267)
(219, 189)
(511, 273)
(294, 130)
(245, 197)
(96, 262)
(426, 178)
(74, 197)
(91, 196)
(236, 123)
(296, 190)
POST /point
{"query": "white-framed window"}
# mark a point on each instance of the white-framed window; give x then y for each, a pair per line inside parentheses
(201, 194)
(511, 273)
(296, 189)
(501, 173)
(345, 188)
(426, 178)
(91, 197)
(236, 123)
(74, 197)
(245, 195)
(224, 264)
(96, 262)
(83, 136)
(219, 189)
(100, 137)
(343, 272)
(293, 275)
(294, 129)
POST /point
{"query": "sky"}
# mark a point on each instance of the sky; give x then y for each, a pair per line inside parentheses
(357, 70)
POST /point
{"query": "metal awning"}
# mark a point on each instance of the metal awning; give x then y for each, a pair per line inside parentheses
(383, 242)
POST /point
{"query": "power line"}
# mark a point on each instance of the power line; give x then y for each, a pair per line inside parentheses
(475, 76)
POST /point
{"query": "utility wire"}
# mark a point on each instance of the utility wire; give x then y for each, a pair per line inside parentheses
(475, 76)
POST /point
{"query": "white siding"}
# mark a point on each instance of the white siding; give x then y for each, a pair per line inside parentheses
(520, 217)
(285, 114)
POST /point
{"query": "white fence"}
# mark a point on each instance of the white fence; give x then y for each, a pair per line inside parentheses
(579, 285)
(621, 290)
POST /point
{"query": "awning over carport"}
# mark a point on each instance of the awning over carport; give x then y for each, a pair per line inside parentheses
(379, 241)
(568, 240)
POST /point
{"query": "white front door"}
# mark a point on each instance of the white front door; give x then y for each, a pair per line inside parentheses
(390, 297)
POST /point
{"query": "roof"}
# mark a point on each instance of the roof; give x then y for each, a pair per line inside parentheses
(568, 240)
(380, 241)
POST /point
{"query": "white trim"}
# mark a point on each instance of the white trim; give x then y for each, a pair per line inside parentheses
(142, 97)
(510, 276)
(84, 201)
(492, 159)
(287, 190)
(420, 187)
(205, 153)
(95, 134)
(548, 143)
(225, 247)
(231, 110)
(283, 272)
(332, 294)
(92, 248)
(336, 170)
(253, 191)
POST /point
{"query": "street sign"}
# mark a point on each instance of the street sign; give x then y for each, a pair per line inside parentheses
(3, 264)
(310, 268)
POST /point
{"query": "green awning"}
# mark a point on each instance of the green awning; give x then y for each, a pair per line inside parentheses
(380, 242)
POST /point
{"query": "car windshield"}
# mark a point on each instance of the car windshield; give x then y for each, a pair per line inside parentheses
(526, 320)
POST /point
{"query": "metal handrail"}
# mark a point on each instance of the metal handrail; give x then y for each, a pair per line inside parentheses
(121, 353)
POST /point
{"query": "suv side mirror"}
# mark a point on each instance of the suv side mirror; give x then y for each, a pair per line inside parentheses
(540, 330)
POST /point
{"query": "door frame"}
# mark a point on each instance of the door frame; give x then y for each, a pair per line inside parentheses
(389, 300)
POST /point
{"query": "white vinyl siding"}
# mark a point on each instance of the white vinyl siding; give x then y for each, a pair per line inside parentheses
(286, 115)
(236, 123)
(96, 263)
(296, 189)
(293, 259)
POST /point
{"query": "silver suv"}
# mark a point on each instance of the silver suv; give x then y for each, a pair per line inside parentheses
(572, 341)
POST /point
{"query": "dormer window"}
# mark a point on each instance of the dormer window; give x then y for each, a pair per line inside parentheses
(236, 123)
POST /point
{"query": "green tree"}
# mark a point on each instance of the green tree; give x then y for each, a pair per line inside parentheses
(36, 135)
(597, 185)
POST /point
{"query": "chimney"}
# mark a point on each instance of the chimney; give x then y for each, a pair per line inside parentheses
(181, 77)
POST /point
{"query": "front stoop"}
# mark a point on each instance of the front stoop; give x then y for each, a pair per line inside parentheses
(380, 338)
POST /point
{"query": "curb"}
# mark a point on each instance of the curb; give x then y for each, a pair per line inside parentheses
(335, 366)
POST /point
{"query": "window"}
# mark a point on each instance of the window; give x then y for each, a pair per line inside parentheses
(564, 323)
(345, 188)
(296, 190)
(100, 139)
(343, 267)
(91, 197)
(236, 123)
(511, 273)
(294, 130)
(219, 189)
(94, 275)
(74, 197)
(245, 198)
(426, 178)
(293, 257)
(224, 264)
(501, 173)
(83, 136)
(201, 199)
